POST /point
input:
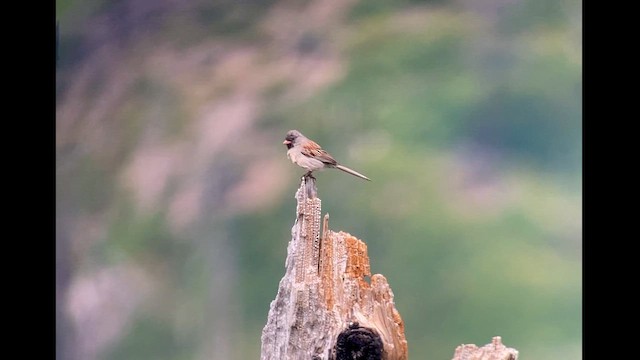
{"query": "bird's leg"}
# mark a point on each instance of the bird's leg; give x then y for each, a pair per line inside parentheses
(308, 175)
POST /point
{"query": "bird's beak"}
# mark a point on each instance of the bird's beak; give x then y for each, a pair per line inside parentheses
(286, 142)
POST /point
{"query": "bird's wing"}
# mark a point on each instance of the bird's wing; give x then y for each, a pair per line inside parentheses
(313, 150)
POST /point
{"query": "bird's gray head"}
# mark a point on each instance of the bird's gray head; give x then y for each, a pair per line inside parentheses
(292, 137)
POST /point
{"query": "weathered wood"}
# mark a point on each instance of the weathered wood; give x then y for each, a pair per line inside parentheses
(325, 308)
(494, 351)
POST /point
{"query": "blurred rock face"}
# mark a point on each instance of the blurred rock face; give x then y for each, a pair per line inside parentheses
(172, 181)
(153, 127)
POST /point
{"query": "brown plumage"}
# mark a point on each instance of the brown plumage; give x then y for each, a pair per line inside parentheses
(307, 154)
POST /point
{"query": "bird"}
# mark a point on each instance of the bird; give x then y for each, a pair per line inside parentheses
(307, 154)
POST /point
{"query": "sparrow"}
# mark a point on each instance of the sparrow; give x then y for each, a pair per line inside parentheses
(305, 153)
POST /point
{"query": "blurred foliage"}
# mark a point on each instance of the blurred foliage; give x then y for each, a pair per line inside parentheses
(467, 117)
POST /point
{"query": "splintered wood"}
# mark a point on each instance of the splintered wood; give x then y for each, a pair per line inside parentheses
(494, 351)
(324, 300)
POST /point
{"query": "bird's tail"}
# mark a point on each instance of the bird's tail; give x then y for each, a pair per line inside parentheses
(352, 172)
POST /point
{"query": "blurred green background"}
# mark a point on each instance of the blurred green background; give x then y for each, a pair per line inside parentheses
(175, 199)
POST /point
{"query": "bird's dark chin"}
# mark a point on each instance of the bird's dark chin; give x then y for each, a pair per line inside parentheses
(289, 145)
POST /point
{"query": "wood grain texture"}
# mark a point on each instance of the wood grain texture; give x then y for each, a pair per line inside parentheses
(325, 295)
(330, 307)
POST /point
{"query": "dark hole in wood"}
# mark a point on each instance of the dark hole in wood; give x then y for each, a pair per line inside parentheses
(358, 343)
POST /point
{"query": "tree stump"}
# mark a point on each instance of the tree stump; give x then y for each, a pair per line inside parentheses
(325, 308)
